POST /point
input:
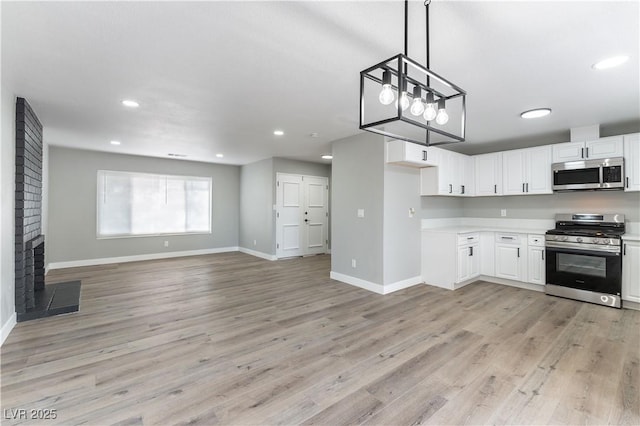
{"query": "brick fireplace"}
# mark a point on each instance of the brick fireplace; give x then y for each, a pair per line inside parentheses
(33, 299)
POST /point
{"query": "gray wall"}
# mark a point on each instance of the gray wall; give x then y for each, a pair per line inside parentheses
(441, 207)
(546, 206)
(7, 219)
(256, 206)
(358, 176)
(72, 205)
(401, 235)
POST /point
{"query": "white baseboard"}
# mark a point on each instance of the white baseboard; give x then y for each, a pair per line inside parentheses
(358, 282)
(7, 327)
(257, 253)
(512, 283)
(400, 285)
(376, 288)
(137, 258)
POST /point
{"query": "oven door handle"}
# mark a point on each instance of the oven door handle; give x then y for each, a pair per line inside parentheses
(551, 249)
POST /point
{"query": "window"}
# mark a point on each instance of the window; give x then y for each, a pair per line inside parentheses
(148, 204)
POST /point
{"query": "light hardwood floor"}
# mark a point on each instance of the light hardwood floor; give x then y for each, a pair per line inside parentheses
(233, 339)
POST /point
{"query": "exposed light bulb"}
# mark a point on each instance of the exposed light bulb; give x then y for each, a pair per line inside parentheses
(430, 111)
(442, 117)
(386, 95)
(417, 107)
(404, 101)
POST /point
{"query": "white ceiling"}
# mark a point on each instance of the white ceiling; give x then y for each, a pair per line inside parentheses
(219, 77)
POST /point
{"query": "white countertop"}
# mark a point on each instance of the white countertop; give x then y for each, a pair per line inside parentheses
(481, 228)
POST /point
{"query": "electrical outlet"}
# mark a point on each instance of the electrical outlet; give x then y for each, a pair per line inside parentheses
(503, 212)
(255, 243)
(412, 212)
(353, 263)
(360, 212)
(166, 243)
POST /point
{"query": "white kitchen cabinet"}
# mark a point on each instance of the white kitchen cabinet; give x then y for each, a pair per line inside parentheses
(589, 150)
(450, 260)
(487, 253)
(631, 271)
(527, 171)
(453, 175)
(410, 154)
(632, 162)
(511, 262)
(536, 262)
(488, 174)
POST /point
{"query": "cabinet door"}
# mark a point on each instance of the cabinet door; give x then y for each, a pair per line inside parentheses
(536, 266)
(631, 271)
(488, 174)
(507, 261)
(445, 174)
(409, 154)
(604, 148)
(467, 174)
(538, 170)
(632, 162)
(462, 264)
(474, 260)
(569, 151)
(513, 172)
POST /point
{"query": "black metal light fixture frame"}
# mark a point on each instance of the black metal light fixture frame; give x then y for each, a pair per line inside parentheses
(398, 66)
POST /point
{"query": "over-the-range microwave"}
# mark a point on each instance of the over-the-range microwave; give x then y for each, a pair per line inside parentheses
(589, 174)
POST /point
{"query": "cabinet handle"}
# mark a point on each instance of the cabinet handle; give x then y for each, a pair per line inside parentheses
(518, 251)
(495, 188)
(587, 152)
(581, 152)
(542, 254)
(527, 186)
(470, 251)
(462, 189)
(450, 188)
(508, 238)
(624, 249)
(627, 179)
(424, 155)
(523, 187)
(469, 238)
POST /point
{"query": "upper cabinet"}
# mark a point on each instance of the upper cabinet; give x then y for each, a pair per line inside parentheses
(410, 154)
(632, 162)
(591, 150)
(527, 171)
(488, 174)
(454, 175)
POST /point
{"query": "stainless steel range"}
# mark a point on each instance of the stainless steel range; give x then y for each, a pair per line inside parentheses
(584, 259)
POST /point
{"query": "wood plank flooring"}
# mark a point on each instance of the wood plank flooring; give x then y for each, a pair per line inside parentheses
(233, 339)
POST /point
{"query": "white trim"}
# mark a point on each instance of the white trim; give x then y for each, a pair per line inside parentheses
(257, 253)
(7, 327)
(347, 279)
(400, 285)
(511, 283)
(138, 257)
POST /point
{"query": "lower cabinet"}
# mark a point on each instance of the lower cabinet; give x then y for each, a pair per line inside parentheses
(536, 263)
(631, 271)
(511, 260)
(450, 259)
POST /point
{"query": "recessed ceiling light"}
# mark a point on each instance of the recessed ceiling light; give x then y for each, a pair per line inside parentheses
(536, 113)
(327, 157)
(278, 132)
(130, 103)
(115, 142)
(314, 135)
(610, 62)
(220, 155)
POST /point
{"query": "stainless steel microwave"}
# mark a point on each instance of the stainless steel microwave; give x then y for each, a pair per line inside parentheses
(606, 173)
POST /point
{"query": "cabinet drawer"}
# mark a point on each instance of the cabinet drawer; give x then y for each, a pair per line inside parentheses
(468, 238)
(508, 238)
(536, 240)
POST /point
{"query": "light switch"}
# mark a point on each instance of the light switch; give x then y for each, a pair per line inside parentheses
(360, 212)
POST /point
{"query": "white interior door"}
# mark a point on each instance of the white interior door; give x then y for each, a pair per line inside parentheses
(302, 215)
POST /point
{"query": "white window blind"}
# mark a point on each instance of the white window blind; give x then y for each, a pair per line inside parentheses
(149, 204)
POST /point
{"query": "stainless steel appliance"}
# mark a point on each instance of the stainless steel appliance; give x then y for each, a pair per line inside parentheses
(589, 174)
(584, 259)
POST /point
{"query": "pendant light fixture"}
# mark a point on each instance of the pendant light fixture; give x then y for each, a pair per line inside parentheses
(437, 118)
